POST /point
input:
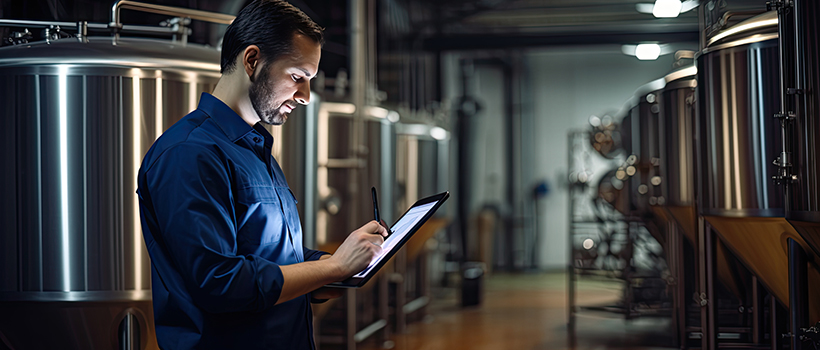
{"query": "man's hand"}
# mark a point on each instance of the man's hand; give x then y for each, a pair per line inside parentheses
(359, 249)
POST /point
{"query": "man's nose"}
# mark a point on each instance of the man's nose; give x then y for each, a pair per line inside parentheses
(302, 95)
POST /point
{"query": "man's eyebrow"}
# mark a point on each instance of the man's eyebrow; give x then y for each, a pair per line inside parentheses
(306, 72)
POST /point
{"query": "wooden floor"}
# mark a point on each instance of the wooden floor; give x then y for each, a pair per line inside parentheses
(528, 311)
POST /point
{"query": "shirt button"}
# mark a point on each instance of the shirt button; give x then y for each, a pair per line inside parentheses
(257, 139)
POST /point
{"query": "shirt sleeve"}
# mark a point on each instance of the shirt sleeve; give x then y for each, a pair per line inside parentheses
(190, 189)
(311, 255)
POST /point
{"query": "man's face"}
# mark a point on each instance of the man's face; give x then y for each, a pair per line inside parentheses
(280, 85)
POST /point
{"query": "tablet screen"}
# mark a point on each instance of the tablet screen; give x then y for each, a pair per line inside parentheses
(399, 231)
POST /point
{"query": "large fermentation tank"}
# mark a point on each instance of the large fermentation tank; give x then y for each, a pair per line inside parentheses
(422, 153)
(804, 193)
(678, 172)
(355, 153)
(639, 132)
(641, 139)
(737, 97)
(677, 164)
(77, 119)
(738, 139)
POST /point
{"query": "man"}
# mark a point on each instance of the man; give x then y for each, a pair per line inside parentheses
(228, 267)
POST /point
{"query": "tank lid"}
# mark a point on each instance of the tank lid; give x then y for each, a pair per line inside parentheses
(685, 72)
(108, 52)
(754, 29)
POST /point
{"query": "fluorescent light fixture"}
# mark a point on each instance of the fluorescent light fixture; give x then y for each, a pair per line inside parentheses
(393, 116)
(438, 133)
(685, 6)
(666, 8)
(647, 52)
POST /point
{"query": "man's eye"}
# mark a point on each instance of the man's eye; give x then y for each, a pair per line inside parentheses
(295, 77)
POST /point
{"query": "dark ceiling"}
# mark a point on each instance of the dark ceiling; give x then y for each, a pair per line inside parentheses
(413, 28)
(456, 24)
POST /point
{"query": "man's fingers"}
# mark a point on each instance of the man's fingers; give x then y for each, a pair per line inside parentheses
(376, 227)
(375, 239)
(386, 231)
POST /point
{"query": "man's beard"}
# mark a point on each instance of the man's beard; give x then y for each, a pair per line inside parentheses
(262, 99)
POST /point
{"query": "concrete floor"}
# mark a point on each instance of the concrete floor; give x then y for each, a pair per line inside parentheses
(529, 311)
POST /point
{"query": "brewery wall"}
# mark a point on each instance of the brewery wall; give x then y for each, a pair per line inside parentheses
(562, 88)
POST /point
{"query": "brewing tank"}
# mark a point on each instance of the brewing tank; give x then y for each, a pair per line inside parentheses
(355, 152)
(738, 95)
(640, 137)
(677, 145)
(422, 152)
(804, 194)
(677, 164)
(77, 119)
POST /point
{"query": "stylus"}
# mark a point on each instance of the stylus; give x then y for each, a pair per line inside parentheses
(375, 204)
(376, 208)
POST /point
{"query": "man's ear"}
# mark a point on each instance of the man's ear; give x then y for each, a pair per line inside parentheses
(250, 60)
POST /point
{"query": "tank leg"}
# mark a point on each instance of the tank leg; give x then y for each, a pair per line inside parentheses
(798, 294)
(706, 254)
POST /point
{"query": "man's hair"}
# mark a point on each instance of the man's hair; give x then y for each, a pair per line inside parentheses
(269, 24)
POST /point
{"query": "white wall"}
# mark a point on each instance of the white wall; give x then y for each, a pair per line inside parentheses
(561, 87)
(565, 87)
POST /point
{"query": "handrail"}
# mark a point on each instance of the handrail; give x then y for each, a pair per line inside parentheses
(213, 17)
(41, 24)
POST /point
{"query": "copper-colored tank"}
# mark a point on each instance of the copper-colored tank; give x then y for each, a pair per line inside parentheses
(803, 211)
(738, 86)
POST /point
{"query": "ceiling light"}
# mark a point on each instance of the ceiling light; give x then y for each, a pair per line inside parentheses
(438, 133)
(666, 8)
(647, 52)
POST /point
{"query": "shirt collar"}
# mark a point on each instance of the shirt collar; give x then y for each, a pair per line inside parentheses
(231, 123)
(265, 134)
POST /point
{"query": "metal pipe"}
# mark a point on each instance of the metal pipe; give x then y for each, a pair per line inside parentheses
(798, 293)
(786, 114)
(39, 24)
(799, 49)
(707, 258)
(88, 26)
(206, 16)
(756, 311)
(774, 332)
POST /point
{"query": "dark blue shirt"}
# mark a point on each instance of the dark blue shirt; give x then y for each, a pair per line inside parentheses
(218, 220)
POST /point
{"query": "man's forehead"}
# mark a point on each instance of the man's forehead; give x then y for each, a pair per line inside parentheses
(304, 56)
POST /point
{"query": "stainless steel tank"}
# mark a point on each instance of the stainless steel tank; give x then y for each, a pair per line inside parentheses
(738, 88)
(677, 145)
(738, 95)
(804, 194)
(640, 137)
(422, 153)
(677, 164)
(77, 119)
(355, 153)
